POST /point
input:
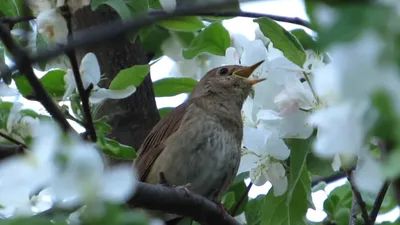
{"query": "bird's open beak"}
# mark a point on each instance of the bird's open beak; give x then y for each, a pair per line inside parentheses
(246, 72)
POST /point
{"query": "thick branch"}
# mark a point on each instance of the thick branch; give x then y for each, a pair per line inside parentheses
(84, 94)
(23, 62)
(293, 20)
(358, 197)
(178, 201)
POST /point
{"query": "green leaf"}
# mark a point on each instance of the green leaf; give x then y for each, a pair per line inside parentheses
(120, 6)
(298, 157)
(305, 40)
(152, 38)
(116, 149)
(155, 4)
(172, 86)
(228, 200)
(282, 40)
(346, 27)
(138, 6)
(339, 198)
(278, 211)
(101, 126)
(130, 76)
(214, 39)
(164, 111)
(186, 23)
(53, 83)
(11, 8)
(239, 189)
(253, 210)
(185, 38)
(319, 166)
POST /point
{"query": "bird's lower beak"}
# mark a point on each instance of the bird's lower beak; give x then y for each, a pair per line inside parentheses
(246, 72)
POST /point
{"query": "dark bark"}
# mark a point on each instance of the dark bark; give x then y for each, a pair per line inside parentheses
(133, 117)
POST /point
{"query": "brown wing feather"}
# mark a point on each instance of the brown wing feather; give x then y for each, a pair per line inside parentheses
(152, 146)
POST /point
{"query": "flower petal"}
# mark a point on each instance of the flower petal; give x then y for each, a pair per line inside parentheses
(368, 175)
(101, 94)
(257, 176)
(277, 176)
(52, 25)
(277, 148)
(90, 70)
(118, 184)
(6, 91)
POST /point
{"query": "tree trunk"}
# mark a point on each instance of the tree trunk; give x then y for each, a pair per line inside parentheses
(131, 118)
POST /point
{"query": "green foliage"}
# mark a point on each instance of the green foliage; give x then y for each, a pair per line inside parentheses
(337, 205)
(213, 39)
(11, 7)
(152, 37)
(164, 111)
(306, 41)
(187, 23)
(130, 76)
(235, 193)
(300, 148)
(253, 210)
(108, 146)
(282, 40)
(53, 83)
(319, 166)
(172, 86)
(120, 6)
(288, 209)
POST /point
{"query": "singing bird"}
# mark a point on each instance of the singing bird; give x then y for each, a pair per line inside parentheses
(198, 144)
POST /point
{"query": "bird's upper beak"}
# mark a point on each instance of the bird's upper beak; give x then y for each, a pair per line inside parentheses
(246, 72)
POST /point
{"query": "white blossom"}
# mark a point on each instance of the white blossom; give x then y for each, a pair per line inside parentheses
(6, 91)
(90, 74)
(261, 157)
(52, 26)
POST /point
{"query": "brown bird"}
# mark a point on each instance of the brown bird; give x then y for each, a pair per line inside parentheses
(199, 142)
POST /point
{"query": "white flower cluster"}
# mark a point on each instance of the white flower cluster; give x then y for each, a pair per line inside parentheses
(69, 171)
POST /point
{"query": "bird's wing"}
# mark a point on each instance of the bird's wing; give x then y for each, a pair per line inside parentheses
(152, 146)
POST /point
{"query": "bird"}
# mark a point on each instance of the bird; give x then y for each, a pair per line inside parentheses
(198, 144)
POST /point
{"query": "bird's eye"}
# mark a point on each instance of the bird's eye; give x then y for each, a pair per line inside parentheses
(223, 71)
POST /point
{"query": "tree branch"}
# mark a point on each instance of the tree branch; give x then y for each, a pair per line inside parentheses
(10, 150)
(328, 179)
(378, 202)
(178, 201)
(9, 138)
(293, 20)
(23, 63)
(242, 197)
(353, 211)
(359, 199)
(11, 21)
(84, 94)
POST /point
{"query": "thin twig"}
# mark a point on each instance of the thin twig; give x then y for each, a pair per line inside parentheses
(84, 95)
(378, 202)
(101, 33)
(293, 20)
(328, 179)
(11, 21)
(358, 197)
(242, 197)
(11, 139)
(353, 211)
(23, 63)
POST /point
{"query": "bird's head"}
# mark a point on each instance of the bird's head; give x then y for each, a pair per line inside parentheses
(228, 82)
